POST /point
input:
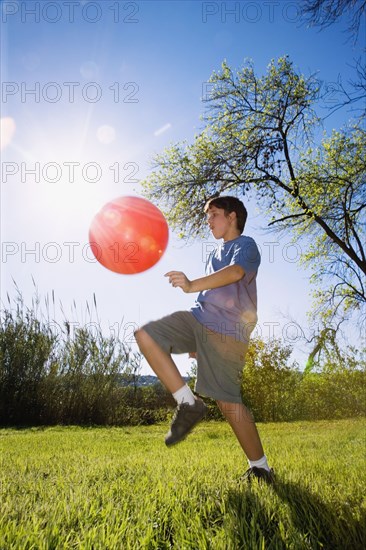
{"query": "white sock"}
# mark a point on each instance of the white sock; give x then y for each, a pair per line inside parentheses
(184, 395)
(261, 463)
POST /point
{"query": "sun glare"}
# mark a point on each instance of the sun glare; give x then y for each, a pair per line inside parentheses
(7, 131)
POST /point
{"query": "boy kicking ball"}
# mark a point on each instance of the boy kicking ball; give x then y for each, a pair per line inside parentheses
(216, 330)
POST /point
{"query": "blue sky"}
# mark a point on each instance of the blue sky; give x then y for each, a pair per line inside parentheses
(90, 85)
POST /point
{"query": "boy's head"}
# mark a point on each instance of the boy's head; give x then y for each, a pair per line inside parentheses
(229, 205)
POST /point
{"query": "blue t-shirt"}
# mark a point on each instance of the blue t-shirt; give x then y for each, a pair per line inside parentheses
(231, 309)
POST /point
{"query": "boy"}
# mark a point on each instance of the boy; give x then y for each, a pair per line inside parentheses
(216, 331)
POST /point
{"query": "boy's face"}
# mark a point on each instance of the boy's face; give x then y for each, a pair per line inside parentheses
(222, 226)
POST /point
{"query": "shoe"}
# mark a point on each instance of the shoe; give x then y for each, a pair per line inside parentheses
(185, 418)
(261, 474)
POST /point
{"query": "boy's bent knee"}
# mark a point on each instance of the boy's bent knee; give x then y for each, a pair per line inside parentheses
(143, 339)
(147, 344)
(140, 336)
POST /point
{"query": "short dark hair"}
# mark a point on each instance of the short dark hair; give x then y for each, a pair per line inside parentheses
(230, 204)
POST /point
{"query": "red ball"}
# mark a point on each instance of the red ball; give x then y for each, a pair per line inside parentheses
(128, 235)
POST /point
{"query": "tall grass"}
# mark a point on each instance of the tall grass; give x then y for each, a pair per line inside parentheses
(121, 488)
(53, 372)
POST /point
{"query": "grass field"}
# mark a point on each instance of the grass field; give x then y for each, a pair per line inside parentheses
(121, 488)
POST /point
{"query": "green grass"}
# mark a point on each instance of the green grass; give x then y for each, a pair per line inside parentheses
(121, 488)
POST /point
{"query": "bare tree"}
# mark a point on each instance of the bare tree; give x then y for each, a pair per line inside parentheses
(324, 13)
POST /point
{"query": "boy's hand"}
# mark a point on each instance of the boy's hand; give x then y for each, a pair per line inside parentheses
(178, 278)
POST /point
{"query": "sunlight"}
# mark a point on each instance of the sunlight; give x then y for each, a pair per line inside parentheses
(106, 134)
(7, 131)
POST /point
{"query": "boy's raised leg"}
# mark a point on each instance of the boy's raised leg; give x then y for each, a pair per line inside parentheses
(160, 361)
(187, 415)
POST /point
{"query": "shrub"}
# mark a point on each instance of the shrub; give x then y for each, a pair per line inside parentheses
(27, 352)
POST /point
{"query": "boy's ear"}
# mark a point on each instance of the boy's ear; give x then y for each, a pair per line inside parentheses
(233, 215)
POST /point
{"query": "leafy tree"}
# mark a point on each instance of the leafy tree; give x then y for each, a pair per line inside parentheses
(335, 176)
(269, 381)
(259, 139)
(275, 390)
(326, 342)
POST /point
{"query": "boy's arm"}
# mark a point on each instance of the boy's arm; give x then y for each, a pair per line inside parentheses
(223, 277)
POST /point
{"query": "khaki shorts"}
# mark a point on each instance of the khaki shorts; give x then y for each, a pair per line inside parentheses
(220, 358)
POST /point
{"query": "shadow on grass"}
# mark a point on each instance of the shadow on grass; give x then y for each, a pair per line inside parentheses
(249, 524)
(330, 527)
(317, 524)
